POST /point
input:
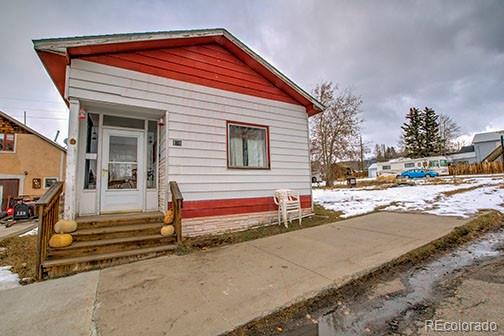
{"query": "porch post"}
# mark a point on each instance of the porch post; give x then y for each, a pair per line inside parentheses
(72, 157)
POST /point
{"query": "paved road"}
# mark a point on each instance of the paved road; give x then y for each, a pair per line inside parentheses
(211, 292)
(477, 298)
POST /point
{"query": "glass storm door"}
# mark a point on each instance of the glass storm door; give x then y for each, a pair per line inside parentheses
(122, 179)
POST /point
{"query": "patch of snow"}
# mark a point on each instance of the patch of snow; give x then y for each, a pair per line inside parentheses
(468, 203)
(420, 197)
(32, 232)
(8, 279)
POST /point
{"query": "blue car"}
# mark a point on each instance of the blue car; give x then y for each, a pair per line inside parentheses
(418, 173)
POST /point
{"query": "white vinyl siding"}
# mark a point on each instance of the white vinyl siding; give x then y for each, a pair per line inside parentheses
(197, 116)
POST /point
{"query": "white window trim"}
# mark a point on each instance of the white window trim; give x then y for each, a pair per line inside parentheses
(267, 143)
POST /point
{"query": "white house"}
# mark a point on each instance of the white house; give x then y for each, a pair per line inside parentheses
(486, 143)
(196, 107)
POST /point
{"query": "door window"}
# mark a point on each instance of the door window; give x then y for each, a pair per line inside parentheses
(123, 162)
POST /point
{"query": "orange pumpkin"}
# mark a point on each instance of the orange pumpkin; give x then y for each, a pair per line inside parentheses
(167, 230)
(59, 240)
(168, 217)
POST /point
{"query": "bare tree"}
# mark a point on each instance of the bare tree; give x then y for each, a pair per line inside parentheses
(335, 131)
(448, 132)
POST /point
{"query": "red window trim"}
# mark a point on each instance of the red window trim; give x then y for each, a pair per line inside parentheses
(240, 123)
(4, 142)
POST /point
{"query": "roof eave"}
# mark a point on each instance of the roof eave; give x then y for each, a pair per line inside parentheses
(60, 47)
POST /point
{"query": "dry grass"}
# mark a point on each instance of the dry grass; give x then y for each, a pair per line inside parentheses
(20, 254)
(322, 216)
(386, 179)
(20, 251)
(459, 191)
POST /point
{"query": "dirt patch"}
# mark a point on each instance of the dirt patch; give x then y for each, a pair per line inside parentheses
(19, 253)
(321, 216)
(459, 191)
(303, 315)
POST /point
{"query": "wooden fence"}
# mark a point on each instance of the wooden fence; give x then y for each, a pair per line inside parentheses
(477, 168)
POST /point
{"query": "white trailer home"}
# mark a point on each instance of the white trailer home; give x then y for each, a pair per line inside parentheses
(438, 164)
(195, 107)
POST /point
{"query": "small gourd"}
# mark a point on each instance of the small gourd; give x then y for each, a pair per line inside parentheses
(167, 230)
(168, 217)
(59, 240)
(65, 226)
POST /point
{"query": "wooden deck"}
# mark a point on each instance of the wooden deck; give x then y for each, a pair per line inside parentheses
(107, 240)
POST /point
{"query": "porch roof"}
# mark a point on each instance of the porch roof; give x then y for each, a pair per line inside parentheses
(56, 53)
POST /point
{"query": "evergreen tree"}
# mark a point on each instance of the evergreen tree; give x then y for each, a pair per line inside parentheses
(412, 133)
(431, 139)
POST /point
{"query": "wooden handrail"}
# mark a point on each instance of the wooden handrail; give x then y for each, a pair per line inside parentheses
(178, 204)
(48, 214)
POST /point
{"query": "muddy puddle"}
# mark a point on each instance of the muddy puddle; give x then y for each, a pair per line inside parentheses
(387, 307)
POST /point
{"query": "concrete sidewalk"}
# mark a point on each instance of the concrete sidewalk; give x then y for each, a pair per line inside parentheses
(211, 292)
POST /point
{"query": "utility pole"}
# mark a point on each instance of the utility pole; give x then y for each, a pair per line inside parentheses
(24, 117)
(502, 149)
(361, 154)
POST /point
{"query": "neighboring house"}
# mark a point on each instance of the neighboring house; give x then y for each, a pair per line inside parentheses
(486, 143)
(465, 155)
(196, 107)
(29, 162)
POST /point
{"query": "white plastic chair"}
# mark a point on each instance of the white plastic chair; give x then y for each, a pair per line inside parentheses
(288, 202)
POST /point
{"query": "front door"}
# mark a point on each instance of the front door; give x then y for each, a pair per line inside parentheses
(122, 178)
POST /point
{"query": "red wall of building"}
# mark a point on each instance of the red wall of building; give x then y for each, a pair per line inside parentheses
(209, 65)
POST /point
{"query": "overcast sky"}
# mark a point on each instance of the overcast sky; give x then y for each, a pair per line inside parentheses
(448, 55)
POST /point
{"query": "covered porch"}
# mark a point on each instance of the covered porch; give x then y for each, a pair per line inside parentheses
(116, 160)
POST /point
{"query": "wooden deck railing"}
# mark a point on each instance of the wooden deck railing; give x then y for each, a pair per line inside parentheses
(177, 204)
(48, 214)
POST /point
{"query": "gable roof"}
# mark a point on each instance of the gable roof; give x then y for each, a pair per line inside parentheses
(31, 130)
(56, 54)
(488, 136)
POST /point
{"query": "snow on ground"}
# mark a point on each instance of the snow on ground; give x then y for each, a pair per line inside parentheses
(32, 232)
(8, 279)
(421, 197)
(468, 203)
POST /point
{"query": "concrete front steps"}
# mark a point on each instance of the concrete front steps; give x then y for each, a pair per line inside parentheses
(108, 240)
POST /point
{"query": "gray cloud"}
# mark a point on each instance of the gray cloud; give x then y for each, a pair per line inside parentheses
(445, 54)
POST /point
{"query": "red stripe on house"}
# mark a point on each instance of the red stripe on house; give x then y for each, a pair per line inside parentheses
(220, 69)
(234, 206)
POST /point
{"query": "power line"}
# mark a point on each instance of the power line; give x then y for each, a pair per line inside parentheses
(32, 117)
(35, 109)
(34, 100)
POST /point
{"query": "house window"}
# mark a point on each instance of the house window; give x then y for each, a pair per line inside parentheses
(109, 120)
(386, 167)
(434, 163)
(248, 146)
(152, 143)
(7, 142)
(90, 165)
(409, 165)
(49, 181)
